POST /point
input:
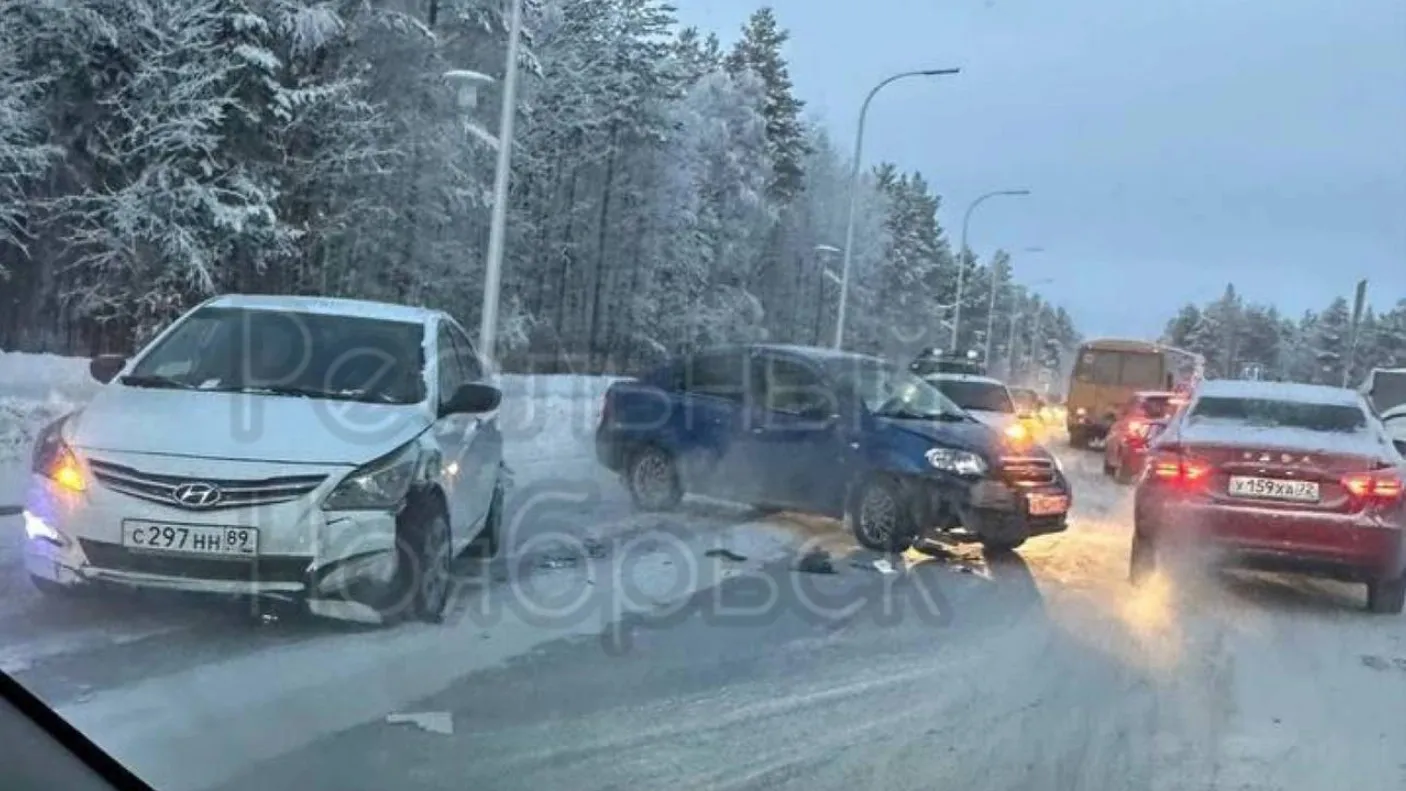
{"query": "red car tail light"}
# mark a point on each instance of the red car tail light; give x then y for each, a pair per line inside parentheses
(1382, 485)
(1173, 466)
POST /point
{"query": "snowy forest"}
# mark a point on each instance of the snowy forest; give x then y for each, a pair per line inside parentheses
(668, 189)
(1236, 337)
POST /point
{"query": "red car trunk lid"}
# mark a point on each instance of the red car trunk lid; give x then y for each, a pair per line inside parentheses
(1279, 478)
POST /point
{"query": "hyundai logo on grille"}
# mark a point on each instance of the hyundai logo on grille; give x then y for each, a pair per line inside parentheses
(198, 495)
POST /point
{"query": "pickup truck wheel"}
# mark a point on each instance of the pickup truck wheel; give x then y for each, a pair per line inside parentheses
(879, 517)
(1142, 559)
(1387, 597)
(653, 479)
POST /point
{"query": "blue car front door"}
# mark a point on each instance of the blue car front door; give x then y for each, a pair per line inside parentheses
(794, 443)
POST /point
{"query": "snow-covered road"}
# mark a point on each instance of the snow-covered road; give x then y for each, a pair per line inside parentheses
(1046, 671)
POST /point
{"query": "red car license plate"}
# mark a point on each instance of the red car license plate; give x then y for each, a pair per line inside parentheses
(1048, 504)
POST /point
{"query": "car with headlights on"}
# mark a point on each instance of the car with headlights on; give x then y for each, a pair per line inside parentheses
(832, 433)
(333, 452)
(1282, 477)
(991, 402)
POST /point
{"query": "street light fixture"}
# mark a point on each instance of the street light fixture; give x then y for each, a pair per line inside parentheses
(962, 253)
(497, 229)
(854, 189)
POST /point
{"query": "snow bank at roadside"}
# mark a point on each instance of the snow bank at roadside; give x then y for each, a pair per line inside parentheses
(40, 374)
(543, 418)
(549, 418)
(35, 389)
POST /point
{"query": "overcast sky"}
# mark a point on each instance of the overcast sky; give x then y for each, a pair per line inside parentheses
(1172, 146)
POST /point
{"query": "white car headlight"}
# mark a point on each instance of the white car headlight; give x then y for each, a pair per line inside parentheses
(960, 462)
(379, 485)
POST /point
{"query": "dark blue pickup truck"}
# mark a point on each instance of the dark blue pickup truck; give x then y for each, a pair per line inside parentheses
(845, 435)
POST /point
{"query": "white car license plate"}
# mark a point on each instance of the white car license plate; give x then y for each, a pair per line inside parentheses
(1048, 504)
(1274, 489)
(241, 542)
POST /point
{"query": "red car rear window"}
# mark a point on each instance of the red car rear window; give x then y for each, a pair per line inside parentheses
(1155, 407)
(1282, 414)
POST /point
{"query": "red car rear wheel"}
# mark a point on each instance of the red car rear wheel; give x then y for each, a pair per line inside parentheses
(1142, 560)
(1387, 597)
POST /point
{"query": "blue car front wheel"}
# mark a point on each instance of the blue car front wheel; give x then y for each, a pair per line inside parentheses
(653, 480)
(880, 516)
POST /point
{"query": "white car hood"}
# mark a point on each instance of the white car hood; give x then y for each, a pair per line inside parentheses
(996, 420)
(242, 426)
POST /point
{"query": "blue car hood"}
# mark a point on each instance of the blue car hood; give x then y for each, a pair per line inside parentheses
(968, 435)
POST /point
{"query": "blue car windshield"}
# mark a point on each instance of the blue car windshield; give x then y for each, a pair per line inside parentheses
(891, 391)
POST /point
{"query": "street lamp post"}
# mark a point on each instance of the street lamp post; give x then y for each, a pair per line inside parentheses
(821, 250)
(854, 190)
(497, 229)
(962, 255)
(1010, 342)
(991, 310)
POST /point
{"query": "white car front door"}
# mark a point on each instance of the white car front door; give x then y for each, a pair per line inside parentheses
(451, 438)
(1395, 423)
(482, 444)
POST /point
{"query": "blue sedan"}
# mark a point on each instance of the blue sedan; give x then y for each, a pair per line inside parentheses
(832, 433)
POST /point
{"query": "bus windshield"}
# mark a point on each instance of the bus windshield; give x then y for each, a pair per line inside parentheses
(1125, 368)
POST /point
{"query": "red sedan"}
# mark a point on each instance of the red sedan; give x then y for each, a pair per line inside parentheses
(1281, 477)
(1136, 424)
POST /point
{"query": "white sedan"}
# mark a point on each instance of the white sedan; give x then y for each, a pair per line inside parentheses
(335, 452)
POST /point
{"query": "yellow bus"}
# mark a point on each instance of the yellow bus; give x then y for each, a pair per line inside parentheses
(1108, 372)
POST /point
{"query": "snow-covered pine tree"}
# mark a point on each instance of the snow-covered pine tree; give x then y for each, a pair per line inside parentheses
(759, 50)
(1330, 341)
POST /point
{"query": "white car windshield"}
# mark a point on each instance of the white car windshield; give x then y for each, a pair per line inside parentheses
(285, 353)
(981, 396)
(889, 390)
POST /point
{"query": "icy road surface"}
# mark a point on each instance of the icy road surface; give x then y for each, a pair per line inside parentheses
(602, 665)
(1042, 672)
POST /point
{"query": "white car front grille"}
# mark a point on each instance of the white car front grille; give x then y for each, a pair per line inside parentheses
(167, 489)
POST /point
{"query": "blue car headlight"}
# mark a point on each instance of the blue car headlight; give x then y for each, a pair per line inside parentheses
(958, 462)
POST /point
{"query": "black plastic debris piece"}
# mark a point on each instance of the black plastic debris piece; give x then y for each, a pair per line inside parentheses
(725, 554)
(557, 561)
(595, 550)
(816, 562)
(1375, 662)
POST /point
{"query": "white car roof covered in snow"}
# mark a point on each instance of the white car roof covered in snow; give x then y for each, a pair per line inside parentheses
(1367, 441)
(327, 306)
(1279, 391)
(949, 377)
